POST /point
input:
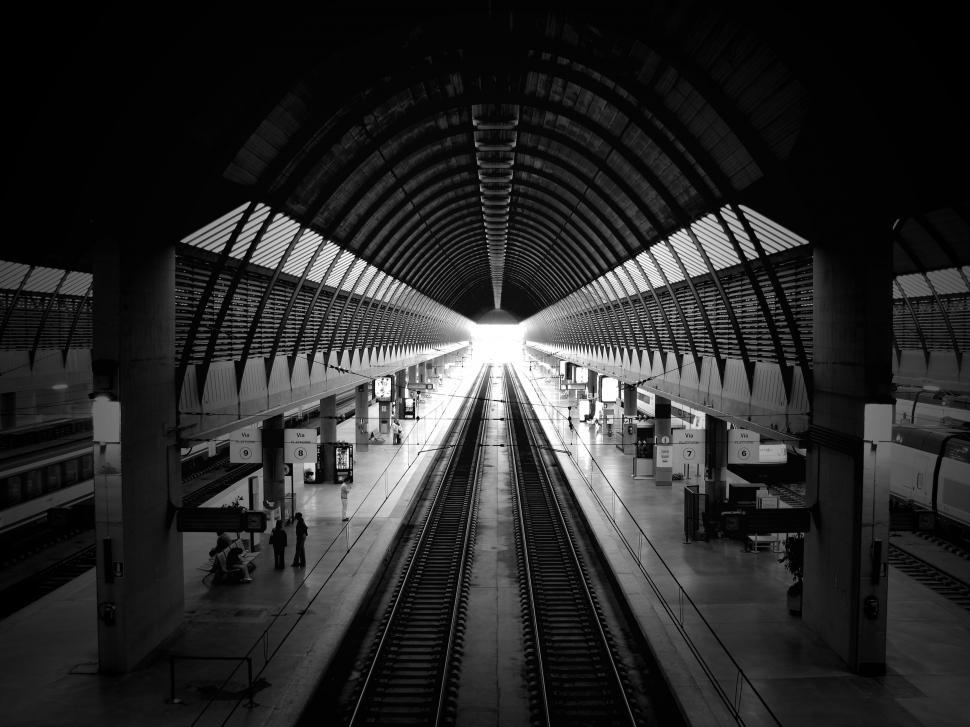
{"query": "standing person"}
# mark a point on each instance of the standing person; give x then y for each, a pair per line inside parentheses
(299, 557)
(278, 540)
(344, 492)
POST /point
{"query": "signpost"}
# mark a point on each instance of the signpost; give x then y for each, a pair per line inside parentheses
(245, 445)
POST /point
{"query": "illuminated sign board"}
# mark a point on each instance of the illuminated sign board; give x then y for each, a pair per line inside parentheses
(609, 389)
(384, 388)
(580, 375)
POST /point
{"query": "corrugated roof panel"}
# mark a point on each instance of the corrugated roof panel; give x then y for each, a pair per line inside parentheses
(250, 228)
(12, 274)
(948, 281)
(324, 259)
(354, 276)
(666, 261)
(914, 285)
(365, 278)
(716, 243)
(623, 282)
(337, 274)
(638, 279)
(653, 275)
(688, 253)
(43, 280)
(773, 236)
(274, 242)
(747, 247)
(213, 236)
(76, 283)
(302, 253)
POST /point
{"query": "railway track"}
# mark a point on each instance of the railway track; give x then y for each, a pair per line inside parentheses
(406, 667)
(924, 572)
(50, 579)
(415, 660)
(577, 679)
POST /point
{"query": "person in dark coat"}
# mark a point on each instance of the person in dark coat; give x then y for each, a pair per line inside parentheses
(299, 557)
(278, 540)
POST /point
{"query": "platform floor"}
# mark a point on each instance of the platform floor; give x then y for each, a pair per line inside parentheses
(290, 621)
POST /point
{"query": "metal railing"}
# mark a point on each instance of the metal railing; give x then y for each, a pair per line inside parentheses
(746, 705)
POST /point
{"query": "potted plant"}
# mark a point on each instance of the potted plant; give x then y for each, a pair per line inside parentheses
(794, 560)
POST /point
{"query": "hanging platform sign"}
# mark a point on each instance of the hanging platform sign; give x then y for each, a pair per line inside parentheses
(743, 445)
(246, 445)
(420, 386)
(299, 445)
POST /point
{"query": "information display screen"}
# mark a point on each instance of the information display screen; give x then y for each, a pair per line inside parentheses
(580, 375)
(609, 389)
(384, 388)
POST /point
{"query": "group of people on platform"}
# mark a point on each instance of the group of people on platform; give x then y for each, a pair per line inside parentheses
(278, 540)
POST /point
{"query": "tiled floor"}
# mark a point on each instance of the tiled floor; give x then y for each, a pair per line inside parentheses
(290, 621)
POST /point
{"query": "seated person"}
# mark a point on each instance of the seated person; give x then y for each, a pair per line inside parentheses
(229, 560)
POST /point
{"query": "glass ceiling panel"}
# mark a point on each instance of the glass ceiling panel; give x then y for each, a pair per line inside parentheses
(914, 286)
(76, 284)
(337, 274)
(356, 271)
(43, 280)
(650, 269)
(250, 229)
(324, 259)
(274, 242)
(716, 243)
(773, 236)
(949, 281)
(302, 253)
(12, 274)
(667, 263)
(213, 236)
(688, 253)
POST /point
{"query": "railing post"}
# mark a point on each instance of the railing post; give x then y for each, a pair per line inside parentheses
(249, 667)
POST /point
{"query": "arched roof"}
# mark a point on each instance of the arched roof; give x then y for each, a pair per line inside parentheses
(490, 156)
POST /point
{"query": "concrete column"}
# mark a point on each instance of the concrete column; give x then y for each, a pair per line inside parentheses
(591, 383)
(629, 400)
(717, 449)
(326, 457)
(137, 477)
(362, 414)
(662, 475)
(274, 470)
(400, 389)
(846, 550)
(423, 371)
(412, 374)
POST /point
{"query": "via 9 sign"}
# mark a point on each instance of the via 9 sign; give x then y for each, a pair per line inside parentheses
(383, 388)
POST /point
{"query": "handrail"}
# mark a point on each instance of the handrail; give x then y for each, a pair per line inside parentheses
(742, 678)
(263, 637)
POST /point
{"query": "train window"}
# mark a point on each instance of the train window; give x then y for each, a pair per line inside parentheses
(52, 477)
(33, 485)
(958, 449)
(87, 466)
(70, 471)
(12, 490)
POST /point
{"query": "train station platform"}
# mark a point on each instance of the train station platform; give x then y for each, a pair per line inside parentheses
(710, 609)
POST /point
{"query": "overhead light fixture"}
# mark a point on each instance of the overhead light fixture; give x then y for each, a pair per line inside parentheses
(59, 387)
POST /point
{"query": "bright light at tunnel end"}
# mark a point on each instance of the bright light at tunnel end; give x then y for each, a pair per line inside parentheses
(497, 343)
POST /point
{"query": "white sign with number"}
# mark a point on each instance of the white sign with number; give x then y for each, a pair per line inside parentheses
(743, 446)
(299, 445)
(246, 445)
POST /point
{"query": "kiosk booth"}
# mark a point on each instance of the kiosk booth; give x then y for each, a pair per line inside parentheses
(408, 408)
(344, 452)
(643, 464)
